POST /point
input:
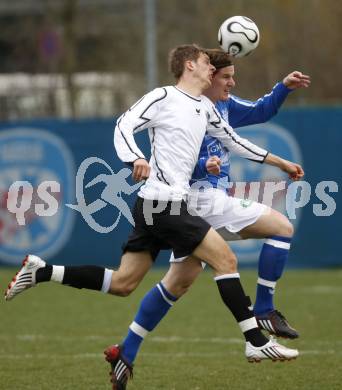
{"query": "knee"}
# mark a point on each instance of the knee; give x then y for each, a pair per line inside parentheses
(122, 288)
(177, 288)
(287, 229)
(182, 288)
(124, 291)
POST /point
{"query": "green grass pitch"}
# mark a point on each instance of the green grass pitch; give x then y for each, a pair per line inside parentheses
(53, 337)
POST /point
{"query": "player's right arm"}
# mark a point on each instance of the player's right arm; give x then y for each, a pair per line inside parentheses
(141, 169)
(213, 165)
(140, 116)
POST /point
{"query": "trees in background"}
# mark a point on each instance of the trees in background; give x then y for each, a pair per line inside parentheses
(107, 36)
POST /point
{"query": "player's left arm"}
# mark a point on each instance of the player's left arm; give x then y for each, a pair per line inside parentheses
(244, 112)
(295, 171)
(246, 149)
(217, 127)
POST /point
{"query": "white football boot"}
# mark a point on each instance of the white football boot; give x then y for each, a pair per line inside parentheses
(272, 351)
(25, 278)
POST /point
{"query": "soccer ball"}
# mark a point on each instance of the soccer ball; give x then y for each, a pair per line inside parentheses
(238, 36)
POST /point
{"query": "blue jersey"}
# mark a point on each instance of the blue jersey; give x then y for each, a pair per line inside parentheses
(237, 112)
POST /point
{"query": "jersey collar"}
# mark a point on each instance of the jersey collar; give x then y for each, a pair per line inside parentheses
(186, 94)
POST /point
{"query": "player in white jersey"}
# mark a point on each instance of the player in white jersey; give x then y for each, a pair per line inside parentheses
(234, 218)
(161, 216)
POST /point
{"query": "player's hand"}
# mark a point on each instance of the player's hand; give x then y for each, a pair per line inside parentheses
(213, 165)
(296, 80)
(141, 169)
(295, 171)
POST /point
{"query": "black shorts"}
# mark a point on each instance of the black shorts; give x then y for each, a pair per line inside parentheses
(172, 228)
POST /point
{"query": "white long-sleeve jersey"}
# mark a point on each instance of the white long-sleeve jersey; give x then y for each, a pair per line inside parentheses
(177, 123)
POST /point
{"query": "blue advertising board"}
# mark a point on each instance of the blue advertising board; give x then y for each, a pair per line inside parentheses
(48, 210)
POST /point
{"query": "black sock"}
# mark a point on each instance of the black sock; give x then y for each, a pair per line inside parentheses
(235, 299)
(44, 274)
(86, 276)
(255, 337)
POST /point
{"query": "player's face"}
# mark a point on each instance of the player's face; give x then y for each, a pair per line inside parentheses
(223, 82)
(204, 70)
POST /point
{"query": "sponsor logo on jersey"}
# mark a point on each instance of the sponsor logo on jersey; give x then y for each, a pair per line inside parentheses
(214, 148)
(34, 156)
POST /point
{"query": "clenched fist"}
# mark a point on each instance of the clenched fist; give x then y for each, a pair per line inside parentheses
(213, 165)
(141, 169)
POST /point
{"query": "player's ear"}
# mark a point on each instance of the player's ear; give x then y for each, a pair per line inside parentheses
(189, 64)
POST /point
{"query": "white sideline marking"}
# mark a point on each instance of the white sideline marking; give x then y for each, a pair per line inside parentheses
(177, 339)
(319, 352)
(36, 337)
(156, 339)
(213, 355)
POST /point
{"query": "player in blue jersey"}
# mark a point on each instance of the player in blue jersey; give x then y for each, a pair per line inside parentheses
(233, 218)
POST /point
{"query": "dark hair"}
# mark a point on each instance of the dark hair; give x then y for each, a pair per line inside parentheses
(180, 54)
(219, 58)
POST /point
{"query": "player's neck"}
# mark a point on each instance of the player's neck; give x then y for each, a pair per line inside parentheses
(211, 95)
(190, 88)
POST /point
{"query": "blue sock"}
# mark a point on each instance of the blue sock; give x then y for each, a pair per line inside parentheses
(273, 257)
(154, 306)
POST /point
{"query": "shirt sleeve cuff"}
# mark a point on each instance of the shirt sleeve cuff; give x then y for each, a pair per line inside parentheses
(283, 88)
(264, 157)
